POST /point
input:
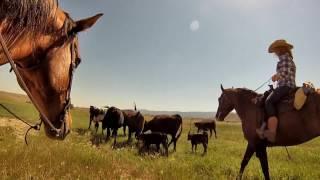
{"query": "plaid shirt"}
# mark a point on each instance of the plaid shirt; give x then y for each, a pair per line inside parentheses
(287, 71)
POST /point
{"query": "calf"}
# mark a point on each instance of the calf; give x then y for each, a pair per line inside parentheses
(199, 138)
(207, 125)
(154, 138)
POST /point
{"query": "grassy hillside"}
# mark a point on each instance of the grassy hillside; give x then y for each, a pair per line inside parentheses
(84, 156)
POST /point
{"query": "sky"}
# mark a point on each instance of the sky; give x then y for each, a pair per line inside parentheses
(174, 54)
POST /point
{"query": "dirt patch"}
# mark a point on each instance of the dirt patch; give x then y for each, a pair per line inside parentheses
(19, 127)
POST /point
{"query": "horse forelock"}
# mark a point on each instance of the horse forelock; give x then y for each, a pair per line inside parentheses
(21, 18)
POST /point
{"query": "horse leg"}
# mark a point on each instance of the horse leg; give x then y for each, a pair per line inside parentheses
(246, 158)
(215, 132)
(263, 157)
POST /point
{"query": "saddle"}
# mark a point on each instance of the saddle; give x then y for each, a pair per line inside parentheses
(293, 101)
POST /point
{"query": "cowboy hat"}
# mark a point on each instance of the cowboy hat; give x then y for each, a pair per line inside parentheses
(279, 43)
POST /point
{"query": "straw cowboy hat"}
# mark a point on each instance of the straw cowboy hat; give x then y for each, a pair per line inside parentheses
(279, 43)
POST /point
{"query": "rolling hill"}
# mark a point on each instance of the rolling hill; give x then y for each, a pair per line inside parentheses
(8, 97)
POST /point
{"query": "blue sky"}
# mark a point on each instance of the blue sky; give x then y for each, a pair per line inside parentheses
(173, 54)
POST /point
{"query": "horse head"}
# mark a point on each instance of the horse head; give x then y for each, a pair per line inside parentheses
(45, 52)
(226, 104)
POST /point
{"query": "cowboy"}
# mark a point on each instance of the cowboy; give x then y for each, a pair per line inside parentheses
(285, 78)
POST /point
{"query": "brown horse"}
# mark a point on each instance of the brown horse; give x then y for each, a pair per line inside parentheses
(295, 127)
(42, 41)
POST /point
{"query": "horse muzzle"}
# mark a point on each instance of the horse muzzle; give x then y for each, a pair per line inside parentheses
(61, 130)
(219, 116)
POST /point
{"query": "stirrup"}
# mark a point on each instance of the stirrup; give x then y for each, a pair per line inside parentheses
(271, 136)
(261, 130)
(260, 133)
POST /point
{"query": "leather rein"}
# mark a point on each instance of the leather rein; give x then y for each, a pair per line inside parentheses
(60, 132)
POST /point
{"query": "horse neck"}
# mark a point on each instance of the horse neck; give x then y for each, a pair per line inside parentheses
(245, 108)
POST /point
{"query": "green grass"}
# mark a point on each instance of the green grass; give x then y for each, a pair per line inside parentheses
(77, 158)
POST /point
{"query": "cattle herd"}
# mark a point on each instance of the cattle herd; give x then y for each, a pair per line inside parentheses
(153, 132)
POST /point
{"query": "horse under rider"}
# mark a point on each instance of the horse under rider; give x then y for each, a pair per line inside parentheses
(285, 77)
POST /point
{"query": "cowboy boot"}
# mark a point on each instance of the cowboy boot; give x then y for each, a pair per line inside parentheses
(271, 133)
(261, 130)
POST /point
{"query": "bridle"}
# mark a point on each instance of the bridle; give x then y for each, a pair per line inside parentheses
(60, 132)
(222, 110)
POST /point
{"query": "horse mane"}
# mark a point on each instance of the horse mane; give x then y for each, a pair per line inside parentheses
(20, 18)
(247, 92)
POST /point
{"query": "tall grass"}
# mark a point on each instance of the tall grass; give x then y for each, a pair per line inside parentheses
(78, 158)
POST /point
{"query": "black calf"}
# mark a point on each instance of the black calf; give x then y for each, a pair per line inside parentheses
(154, 138)
(199, 138)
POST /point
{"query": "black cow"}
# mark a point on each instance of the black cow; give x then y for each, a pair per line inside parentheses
(113, 120)
(168, 124)
(135, 122)
(199, 138)
(96, 116)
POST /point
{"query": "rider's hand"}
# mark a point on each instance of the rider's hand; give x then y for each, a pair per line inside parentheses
(275, 77)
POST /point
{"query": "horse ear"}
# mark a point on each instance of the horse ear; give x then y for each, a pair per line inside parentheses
(222, 89)
(85, 24)
(135, 106)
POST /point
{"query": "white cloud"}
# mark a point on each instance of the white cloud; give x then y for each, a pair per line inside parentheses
(194, 25)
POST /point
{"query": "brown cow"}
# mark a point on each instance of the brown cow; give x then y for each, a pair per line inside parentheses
(207, 125)
(135, 122)
(168, 124)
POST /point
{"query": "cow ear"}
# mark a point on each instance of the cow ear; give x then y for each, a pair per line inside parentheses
(222, 89)
(85, 24)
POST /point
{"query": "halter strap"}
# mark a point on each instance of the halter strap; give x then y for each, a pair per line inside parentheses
(44, 118)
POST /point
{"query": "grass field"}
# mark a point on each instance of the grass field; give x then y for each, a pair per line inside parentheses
(78, 158)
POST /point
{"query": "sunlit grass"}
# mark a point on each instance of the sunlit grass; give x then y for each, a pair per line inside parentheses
(78, 158)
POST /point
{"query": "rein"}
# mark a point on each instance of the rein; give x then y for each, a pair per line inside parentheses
(263, 84)
(61, 131)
